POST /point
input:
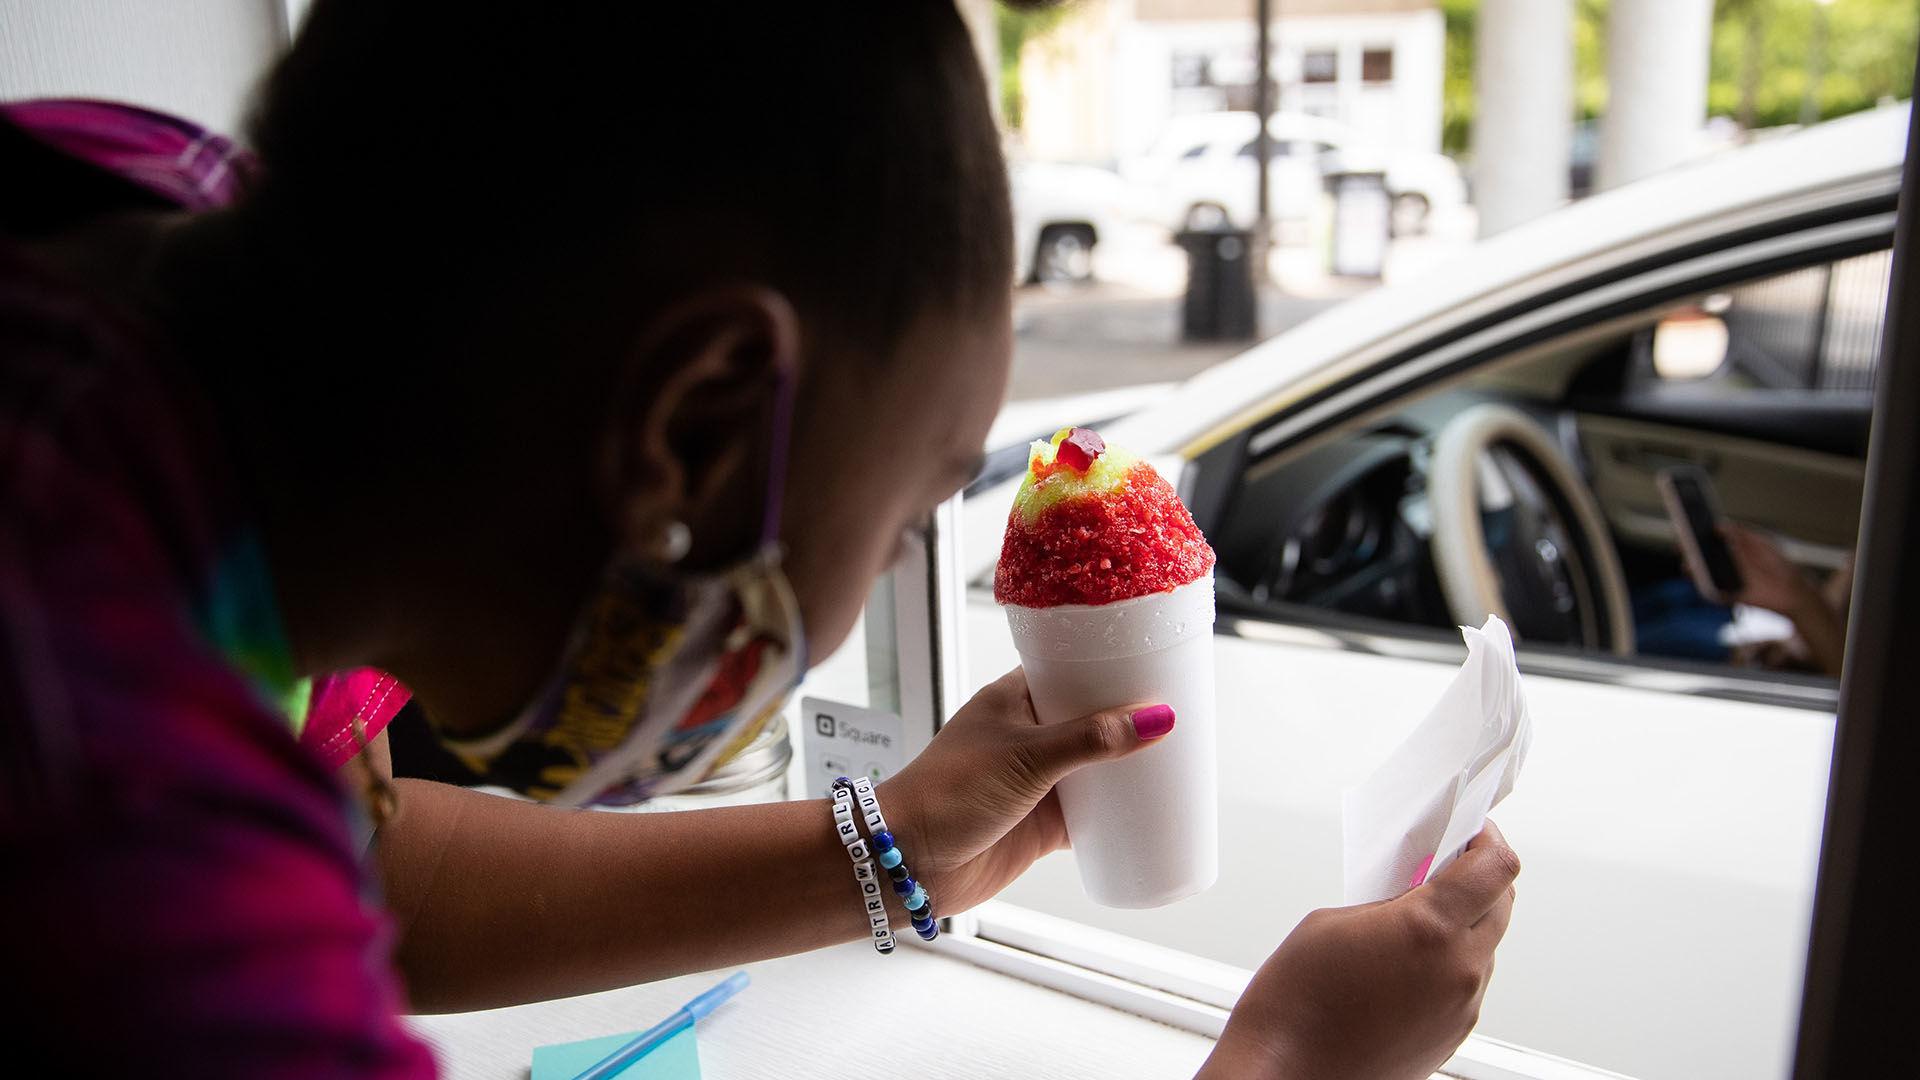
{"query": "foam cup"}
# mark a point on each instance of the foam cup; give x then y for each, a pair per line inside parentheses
(1145, 828)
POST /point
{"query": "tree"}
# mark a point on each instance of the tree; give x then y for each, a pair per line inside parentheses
(1762, 53)
(1019, 25)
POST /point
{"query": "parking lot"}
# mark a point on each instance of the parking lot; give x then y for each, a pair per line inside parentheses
(1123, 327)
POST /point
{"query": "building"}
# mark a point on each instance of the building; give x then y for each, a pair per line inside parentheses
(1103, 86)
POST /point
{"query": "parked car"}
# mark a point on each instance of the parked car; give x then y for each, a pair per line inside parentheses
(1060, 212)
(1487, 439)
(1203, 171)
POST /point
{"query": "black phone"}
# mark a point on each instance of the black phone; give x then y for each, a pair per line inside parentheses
(1688, 493)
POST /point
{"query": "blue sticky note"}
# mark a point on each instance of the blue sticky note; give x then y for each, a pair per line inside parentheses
(676, 1059)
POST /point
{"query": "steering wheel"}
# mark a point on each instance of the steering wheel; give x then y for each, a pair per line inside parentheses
(1517, 534)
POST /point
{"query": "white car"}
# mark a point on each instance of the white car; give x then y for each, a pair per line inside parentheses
(1060, 211)
(1487, 440)
(1203, 171)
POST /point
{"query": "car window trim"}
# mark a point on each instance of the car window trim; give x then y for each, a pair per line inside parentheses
(1592, 301)
(1311, 627)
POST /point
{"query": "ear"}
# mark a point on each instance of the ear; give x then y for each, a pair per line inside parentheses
(691, 427)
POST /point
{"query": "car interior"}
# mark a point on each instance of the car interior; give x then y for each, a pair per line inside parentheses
(1531, 485)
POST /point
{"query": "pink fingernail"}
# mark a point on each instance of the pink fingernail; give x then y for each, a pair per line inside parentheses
(1152, 721)
(1420, 873)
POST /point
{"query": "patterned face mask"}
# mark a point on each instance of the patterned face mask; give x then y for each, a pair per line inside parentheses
(666, 678)
(664, 682)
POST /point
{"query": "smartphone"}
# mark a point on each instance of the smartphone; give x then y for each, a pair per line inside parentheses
(1688, 493)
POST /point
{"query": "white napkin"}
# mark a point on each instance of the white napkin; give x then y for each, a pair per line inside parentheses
(1417, 811)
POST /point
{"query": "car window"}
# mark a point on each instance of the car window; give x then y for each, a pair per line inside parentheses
(1276, 148)
(1816, 328)
(1360, 527)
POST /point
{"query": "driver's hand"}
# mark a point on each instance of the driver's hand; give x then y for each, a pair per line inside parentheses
(1383, 991)
(1767, 579)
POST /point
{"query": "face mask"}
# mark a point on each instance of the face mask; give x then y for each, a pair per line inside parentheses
(664, 680)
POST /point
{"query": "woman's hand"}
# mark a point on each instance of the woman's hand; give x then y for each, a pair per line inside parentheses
(1384, 991)
(977, 807)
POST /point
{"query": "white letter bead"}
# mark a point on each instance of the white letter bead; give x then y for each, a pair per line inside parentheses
(875, 904)
(863, 786)
(858, 850)
(849, 832)
(883, 945)
(870, 887)
(878, 920)
(863, 871)
(842, 812)
(876, 823)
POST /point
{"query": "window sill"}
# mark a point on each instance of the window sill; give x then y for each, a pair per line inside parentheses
(1175, 988)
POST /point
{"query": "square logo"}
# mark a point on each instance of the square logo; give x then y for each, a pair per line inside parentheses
(823, 723)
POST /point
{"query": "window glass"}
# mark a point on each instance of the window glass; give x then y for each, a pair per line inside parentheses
(1276, 148)
(1319, 66)
(1376, 65)
(1817, 328)
(1659, 933)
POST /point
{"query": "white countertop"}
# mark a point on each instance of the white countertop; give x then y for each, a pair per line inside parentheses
(813, 1016)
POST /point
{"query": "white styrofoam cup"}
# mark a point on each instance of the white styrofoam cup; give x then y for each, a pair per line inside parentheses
(1145, 828)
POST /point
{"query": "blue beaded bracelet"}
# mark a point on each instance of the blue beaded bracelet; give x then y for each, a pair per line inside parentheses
(887, 852)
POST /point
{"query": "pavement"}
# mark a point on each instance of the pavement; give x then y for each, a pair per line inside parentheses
(1100, 336)
(1123, 328)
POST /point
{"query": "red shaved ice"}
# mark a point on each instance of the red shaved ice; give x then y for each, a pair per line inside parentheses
(1115, 543)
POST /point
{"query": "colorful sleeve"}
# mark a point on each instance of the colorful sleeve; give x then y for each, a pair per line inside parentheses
(180, 892)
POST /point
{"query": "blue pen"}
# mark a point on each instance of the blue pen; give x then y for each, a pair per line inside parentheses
(640, 1045)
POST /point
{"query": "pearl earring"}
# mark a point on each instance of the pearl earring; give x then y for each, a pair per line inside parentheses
(672, 541)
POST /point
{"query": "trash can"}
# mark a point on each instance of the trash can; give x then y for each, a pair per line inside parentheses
(1362, 223)
(1220, 303)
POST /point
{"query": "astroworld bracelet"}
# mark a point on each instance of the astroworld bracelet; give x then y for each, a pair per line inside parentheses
(886, 850)
(863, 872)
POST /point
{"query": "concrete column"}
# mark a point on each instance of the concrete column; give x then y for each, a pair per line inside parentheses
(1657, 55)
(1523, 94)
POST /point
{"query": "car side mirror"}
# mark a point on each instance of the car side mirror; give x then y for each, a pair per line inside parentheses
(1689, 344)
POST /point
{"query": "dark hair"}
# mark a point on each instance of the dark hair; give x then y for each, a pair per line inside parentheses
(454, 160)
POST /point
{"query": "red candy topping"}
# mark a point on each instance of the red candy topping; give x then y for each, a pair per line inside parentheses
(1079, 448)
(1132, 541)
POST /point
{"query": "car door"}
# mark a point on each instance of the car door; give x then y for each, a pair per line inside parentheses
(1767, 387)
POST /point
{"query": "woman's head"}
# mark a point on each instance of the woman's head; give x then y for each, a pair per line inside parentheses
(559, 260)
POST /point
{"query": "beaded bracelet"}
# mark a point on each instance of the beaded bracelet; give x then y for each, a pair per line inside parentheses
(912, 894)
(863, 872)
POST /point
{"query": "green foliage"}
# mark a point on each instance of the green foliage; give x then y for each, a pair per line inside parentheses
(1868, 58)
(1456, 110)
(1017, 27)
(1589, 58)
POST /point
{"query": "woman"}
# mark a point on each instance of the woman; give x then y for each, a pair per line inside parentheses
(485, 381)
